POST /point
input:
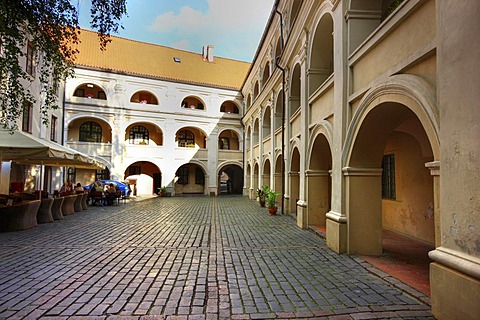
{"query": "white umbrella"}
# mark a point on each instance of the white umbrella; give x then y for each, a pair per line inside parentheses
(27, 149)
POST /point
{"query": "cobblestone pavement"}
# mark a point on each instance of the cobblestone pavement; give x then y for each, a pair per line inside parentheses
(190, 258)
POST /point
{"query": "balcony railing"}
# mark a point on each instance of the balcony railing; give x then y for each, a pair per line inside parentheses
(224, 155)
(101, 149)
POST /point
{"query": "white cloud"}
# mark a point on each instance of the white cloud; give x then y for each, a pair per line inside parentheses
(233, 27)
(183, 45)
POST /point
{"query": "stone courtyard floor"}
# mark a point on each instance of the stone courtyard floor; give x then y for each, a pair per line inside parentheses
(190, 258)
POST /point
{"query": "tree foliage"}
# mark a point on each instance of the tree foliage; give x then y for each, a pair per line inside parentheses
(51, 29)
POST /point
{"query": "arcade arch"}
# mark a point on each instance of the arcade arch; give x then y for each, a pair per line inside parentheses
(144, 177)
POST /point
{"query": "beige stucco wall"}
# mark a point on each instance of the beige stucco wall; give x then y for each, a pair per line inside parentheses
(412, 35)
(411, 213)
(425, 69)
(322, 107)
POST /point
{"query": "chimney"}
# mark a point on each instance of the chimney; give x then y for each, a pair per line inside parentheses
(208, 53)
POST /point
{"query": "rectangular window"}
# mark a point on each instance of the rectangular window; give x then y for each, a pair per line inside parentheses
(56, 86)
(134, 170)
(102, 174)
(30, 64)
(79, 93)
(388, 177)
(27, 117)
(199, 176)
(71, 175)
(53, 129)
(182, 174)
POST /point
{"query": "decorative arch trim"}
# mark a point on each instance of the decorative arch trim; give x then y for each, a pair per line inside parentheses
(324, 128)
(393, 90)
(229, 163)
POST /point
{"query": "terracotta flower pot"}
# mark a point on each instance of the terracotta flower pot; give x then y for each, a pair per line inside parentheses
(272, 210)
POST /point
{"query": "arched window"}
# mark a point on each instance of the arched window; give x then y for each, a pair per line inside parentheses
(229, 107)
(294, 13)
(144, 97)
(192, 103)
(186, 139)
(91, 91)
(90, 132)
(139, 135)
(266, 74)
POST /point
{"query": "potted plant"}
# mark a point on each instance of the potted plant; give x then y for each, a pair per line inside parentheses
(163, 191)
(271, 201)
(261, 194)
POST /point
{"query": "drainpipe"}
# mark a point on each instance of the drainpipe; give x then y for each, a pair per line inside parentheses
(283, 107)
(244, 146)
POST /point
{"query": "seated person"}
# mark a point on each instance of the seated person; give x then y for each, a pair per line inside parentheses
(110, 193)
(98, 186)
(78, 188)
(66, 189)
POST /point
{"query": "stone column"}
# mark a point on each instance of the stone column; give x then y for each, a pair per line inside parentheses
(212, 150)
(318, 195)
(363, 191)
(455, 273)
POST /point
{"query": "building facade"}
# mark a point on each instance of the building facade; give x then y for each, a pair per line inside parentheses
(363, 114)
(16, 176)
(157, 116)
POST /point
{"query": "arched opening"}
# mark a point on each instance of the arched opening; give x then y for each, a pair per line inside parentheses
(294, 12)
(231, 179)
(278, 110)
(89, 130)
(266, 174)
(267, 123)
(321, 60)
(278, 50)
(255, 177)
(191, 137)
(256, 132)
(277, 183)
(190, 180)
(249, 101)
(143, 134)
(390, 191)
(266, 73)
(145, 178)
(90, 91)
(255, 91)
(248, 139)
(193, 103)
(294, 176)
(229, 107)
(319, 183)
(228, 140)
(294, 99)
(144, 97)
(248, 182)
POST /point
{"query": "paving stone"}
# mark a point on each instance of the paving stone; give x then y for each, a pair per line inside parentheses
(190, 258)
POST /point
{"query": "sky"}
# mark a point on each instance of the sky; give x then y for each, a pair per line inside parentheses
(233, 27)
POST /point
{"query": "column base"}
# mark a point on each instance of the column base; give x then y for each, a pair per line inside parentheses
(336, 236)
(302, 214)
(454, 295)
